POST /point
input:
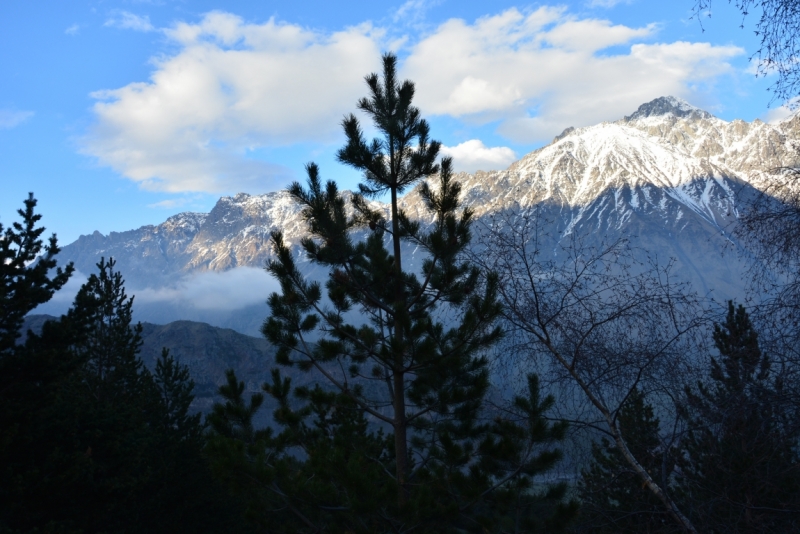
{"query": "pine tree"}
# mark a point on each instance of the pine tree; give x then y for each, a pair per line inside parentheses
(414, 361)
(143, 448)
(612, 495)
(109, 342)
(26, 282)
(740, 470)
(174, 385)
(28, 380)
(400, 336)
(321, 473)
(109, 447)
(182, 494)
(326, 471)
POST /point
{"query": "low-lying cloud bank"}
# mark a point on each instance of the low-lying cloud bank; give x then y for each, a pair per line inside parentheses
(226, 291)
(219, 291)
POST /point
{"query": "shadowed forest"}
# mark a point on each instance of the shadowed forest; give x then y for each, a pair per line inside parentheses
(493, 388)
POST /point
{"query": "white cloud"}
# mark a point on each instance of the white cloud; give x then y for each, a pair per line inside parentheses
(782, 113)
(413, 11)
(9, 118)
(171, 203)
(219, 291)
(73, 30)
(130, 21)
(607, 3)
(473, 155)
(542, 71)
(232, 88)
(235, 87)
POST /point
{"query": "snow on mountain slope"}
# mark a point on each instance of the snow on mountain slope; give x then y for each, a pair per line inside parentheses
(236, 233)
(669, 173)
(666, 148)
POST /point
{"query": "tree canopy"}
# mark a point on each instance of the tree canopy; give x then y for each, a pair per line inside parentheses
(398, 435)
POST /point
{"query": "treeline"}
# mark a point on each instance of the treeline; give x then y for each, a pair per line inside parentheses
(403, 431)
(92, 441)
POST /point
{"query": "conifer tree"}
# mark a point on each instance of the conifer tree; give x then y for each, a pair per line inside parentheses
(28, 380)
(612, 495)
(740, 470)
(321, 473)
(414, 361)
(400, 342)
(25, 282)
(175, 386)
(106, 447)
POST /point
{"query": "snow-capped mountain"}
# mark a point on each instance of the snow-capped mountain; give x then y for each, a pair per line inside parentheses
(669, 176)
(666, 145)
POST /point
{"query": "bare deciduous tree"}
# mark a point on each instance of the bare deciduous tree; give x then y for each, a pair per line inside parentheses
(605, 322)
(769, 227)
(778, 28)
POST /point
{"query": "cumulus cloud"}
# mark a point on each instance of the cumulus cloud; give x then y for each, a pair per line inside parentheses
(130, 21)
(9, 118)
(73, 30)
(473, 155)
(232, 88)
(218, 291)
(779, 114)
(539, 72)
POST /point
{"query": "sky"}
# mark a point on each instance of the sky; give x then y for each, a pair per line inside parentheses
(120, 113)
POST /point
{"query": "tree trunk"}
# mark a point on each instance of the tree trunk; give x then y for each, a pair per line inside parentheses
(399, 401)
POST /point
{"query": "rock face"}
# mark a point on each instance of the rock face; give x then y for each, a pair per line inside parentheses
(148, 251)
(235, 233)
(668, 105)
(667, 145)
(670, 177)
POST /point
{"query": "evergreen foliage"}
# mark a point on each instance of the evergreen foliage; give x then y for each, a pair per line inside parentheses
(398, 436)
(740, 470)
(103, 408)
(90, 440)
(321, 472)
(613, 497)
(174, 386)
(28, 380)
(24, 282)
(326, 470)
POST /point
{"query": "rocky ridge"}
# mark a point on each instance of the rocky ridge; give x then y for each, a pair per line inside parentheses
(667, 146)
(235, 233)
(670, 175)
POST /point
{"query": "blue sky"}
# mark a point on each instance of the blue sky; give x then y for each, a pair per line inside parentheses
(119, 113)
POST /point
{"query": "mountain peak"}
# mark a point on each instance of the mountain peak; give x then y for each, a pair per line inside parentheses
(667, 105)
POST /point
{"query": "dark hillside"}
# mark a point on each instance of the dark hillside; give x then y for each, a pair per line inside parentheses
(207, 350)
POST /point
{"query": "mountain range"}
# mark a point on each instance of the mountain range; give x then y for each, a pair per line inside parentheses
(670, 178)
